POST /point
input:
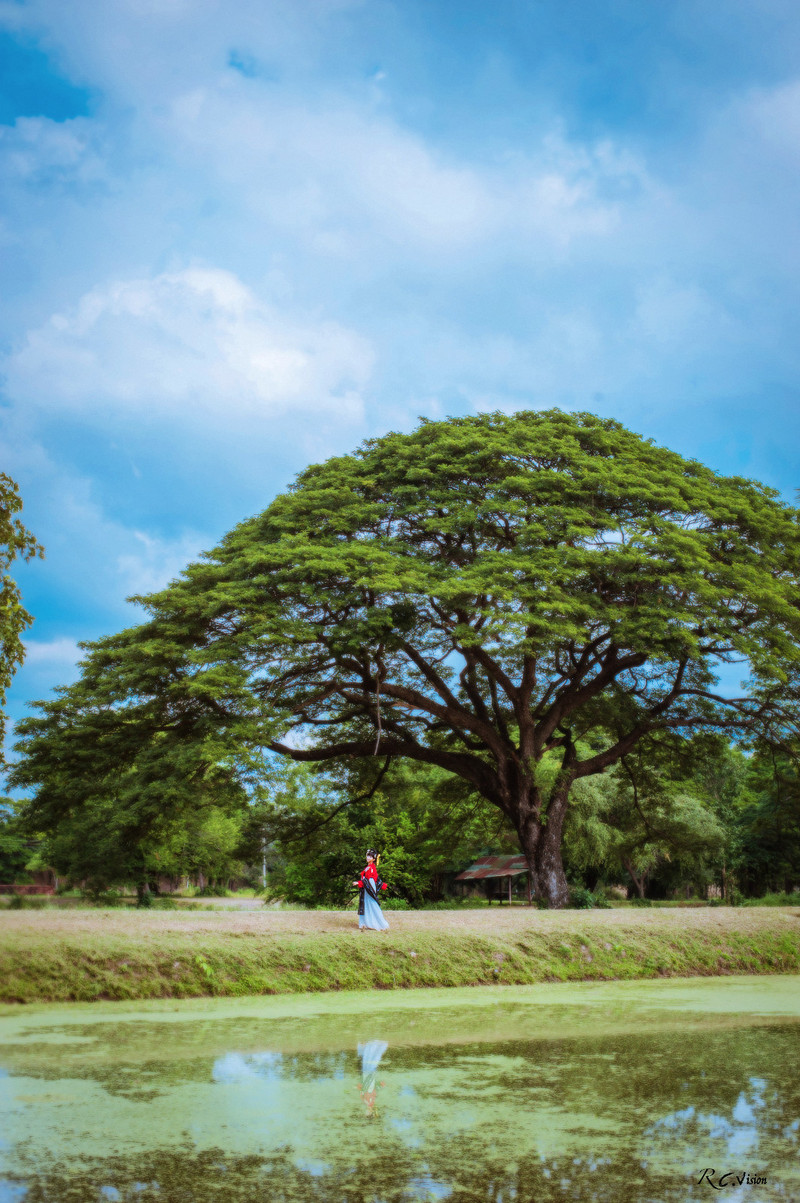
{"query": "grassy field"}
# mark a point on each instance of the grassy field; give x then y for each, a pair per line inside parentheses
(83, 955)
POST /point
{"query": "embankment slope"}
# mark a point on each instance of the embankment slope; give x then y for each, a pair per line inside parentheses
(86, 955)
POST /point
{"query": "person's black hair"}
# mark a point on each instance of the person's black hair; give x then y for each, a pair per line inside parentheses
(371, 852)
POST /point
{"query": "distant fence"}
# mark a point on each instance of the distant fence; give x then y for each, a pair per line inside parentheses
(18, 889)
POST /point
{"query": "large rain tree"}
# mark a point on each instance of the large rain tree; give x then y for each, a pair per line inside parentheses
(518, 600)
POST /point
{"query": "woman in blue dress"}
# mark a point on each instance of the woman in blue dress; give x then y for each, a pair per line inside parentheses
(370, 885)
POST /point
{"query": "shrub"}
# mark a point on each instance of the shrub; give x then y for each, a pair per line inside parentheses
(581, 899)
(771, 900)
(27, 902)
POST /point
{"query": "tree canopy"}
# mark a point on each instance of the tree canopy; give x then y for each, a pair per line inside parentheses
(480, 595)
(15, 542)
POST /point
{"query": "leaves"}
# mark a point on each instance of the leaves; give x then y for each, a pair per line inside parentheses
(478, 596)
(16, 542)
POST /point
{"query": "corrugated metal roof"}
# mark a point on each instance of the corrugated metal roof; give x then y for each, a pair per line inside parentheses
(494, 866)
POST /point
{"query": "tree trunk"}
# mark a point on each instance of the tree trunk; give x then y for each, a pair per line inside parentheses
(541, 844)
(552, 881)
(639, 882)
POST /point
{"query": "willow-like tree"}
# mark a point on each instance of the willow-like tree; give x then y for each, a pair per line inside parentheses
(483, 594)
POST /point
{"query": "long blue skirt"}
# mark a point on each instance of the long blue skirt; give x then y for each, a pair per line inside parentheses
(373, 915)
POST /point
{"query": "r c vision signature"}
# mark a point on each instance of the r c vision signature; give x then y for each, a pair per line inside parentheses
(731, 1178)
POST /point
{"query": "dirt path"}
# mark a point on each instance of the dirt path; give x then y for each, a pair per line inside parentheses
(494, 921)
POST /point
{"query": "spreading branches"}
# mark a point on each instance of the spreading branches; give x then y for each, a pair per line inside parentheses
(310, 828)
(476, 595)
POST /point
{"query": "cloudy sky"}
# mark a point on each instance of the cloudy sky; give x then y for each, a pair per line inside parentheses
(241, 235)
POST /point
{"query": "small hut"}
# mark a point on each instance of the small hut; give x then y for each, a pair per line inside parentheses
(497, 866)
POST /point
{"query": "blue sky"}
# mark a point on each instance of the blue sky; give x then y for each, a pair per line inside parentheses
(241, 235)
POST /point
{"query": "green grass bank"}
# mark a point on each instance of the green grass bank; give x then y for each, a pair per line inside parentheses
(69, 956)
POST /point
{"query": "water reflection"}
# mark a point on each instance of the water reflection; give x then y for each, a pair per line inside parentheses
(247, 1111)
(234, 1067)
(371, 1054)
(731, 1139)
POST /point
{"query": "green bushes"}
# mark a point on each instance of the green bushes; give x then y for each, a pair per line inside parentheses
(106, 898)
(581, 899)
(773, 900)
(27, 902)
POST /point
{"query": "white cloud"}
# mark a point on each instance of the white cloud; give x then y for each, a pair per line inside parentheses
(153, 562)
(54, 653)
(577, 356)
(774, 115)
(37, 150)
(193, 342)
(346, 178)
(92, 559)
(48, 663)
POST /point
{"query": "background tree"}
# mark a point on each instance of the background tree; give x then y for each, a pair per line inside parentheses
(476, 596)
(720, 773)
(646, 822)
(119, 788)
(769, 823)
(16, 848)
(15, 542)
(426, 823)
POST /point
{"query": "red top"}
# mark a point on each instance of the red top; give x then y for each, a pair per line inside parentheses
(371, 871)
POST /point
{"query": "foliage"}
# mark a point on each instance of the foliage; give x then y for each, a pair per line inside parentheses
(425, 824)
(205, 842)
(16, 542)
(28, 902)
(787, 899)
(107, 898)
(769, 822)
(581, 899)
(638, 822)
(15, 846)
(117, 799)
(485, 596)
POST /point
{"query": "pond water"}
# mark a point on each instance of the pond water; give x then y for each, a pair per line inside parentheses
(620, 1091)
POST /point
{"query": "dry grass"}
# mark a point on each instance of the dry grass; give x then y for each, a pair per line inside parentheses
(62, 955)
